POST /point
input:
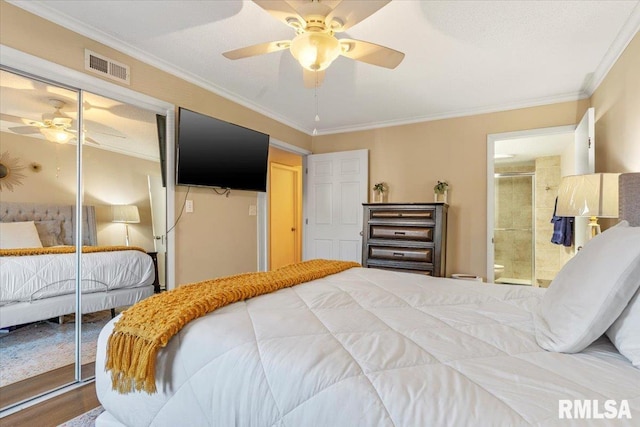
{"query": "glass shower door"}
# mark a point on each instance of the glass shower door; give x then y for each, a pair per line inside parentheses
(514, 231)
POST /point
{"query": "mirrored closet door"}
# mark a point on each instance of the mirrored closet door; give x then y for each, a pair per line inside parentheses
(115, 175)
(38, 195)
(121, 181)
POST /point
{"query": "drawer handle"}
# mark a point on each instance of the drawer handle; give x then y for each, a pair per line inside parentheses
(399, 233)
(398, 254)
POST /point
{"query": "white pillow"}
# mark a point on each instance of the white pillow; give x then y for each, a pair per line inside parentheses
(625, 331)
(15, 235)
(590, 291)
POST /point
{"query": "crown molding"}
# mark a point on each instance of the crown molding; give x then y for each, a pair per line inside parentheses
(46, 10)
(620, 43)
(575, 96)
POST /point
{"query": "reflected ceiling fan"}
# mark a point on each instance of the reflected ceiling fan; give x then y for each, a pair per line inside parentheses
(55, 127)
(315, 46)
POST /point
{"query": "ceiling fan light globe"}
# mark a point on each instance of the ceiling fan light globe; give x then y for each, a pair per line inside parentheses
(315, 51)
(56, 135)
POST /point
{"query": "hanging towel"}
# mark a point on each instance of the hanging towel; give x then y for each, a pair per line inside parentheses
(562, 228)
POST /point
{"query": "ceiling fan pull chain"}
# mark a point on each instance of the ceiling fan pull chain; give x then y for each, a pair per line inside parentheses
(315, 95)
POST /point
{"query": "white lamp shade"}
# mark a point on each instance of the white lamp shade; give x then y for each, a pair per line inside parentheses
(315, 51)
(589, 195)
(127, 214)
(56, 135)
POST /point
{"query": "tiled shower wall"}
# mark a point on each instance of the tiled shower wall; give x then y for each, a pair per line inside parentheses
(549, 258)
(513, 221)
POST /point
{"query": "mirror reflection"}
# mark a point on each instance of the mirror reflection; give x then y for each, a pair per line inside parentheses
(123, 218)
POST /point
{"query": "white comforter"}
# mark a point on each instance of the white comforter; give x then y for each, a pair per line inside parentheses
(28, 278)
(371, 348)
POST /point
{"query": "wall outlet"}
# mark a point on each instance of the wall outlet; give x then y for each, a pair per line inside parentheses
(253, 211)
(188, 206)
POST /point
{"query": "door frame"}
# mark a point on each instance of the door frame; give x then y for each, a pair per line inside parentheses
(36, 66)
(263, 214)
(491, 141)
(297, 173)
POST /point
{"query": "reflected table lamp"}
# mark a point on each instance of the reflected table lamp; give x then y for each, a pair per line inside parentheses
(593, 195)
(126, 214)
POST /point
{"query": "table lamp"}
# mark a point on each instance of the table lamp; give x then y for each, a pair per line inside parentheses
(593, 195)
(126, 214)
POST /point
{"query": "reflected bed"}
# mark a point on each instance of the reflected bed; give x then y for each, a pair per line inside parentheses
(40, 287)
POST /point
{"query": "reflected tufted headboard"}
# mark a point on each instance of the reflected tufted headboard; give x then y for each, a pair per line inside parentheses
(629, 198)
(15, 212)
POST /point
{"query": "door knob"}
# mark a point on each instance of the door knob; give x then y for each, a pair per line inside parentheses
(293, 229)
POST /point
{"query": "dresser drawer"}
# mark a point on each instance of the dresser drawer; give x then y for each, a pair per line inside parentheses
(401, 254)
(408, 214)
(422, 234)
(404, 270)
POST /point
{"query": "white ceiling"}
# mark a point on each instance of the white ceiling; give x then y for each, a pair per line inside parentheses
(462, 57)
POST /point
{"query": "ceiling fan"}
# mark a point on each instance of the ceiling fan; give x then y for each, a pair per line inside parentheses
(315, 46)
(55, 127)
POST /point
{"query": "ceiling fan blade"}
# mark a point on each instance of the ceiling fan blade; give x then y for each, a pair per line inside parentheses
(348, 13)
(90, 140)
(24, 130)
(371, 53)
(36, 123)
(258, 49)
(312, 78)
(9, 118)
(282, 11)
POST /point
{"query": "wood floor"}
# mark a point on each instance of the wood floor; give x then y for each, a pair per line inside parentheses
(53, 411)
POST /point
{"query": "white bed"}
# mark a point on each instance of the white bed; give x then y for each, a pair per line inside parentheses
(369, 347)
(38, 287)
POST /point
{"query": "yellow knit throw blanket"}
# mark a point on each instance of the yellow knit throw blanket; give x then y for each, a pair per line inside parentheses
(147, 326)
(65, 250)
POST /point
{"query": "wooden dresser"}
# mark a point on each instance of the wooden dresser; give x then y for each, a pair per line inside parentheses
(408, 237)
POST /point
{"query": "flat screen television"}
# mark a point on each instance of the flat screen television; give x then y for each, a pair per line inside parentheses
(215, 153)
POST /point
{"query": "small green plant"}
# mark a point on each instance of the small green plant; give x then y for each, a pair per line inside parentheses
(380, 187)
(441, 187)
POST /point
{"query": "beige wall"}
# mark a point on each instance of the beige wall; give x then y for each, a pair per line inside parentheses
(617, 104)
(109, 179)
(219, 237)
(412, 158)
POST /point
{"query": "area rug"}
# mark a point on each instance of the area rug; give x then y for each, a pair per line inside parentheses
(44, 346)
(88, 419)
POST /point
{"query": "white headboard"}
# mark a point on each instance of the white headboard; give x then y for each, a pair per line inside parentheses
(15, 212)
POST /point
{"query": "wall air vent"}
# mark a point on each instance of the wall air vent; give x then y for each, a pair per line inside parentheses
(106, 67)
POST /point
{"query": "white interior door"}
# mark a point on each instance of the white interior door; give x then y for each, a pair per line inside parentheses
(158, 199)
(336, 187)
(585, 141)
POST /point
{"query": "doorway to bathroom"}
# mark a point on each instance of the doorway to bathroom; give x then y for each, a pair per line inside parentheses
(524, 170)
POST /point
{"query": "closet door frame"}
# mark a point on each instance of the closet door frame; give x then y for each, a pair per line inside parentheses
(30, 66)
